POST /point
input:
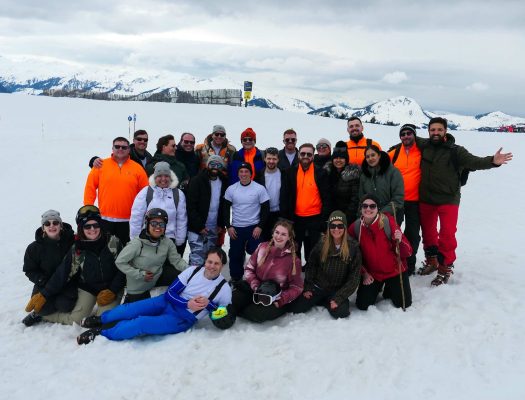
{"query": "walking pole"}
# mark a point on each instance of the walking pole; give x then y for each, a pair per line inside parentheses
(399, 264)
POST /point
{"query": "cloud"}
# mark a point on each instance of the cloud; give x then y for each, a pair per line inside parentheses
(478, 87)
(395, 77)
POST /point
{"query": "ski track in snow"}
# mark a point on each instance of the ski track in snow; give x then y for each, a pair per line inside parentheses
(460, 341)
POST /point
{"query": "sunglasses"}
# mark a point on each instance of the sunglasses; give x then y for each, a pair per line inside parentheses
(370, 206)
(221, 134)
(321, 146)
(336, 226)
(290, 140)
(141, 139)
(157, 224)
(188, 141)
(214, 165)
(406, 133)
(305, 154)
(49, 223)
(265, 299)
(247, 139)
(120, 147)
(94, 225)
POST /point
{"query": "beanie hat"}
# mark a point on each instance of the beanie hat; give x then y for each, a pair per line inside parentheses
(245, 165)
(51, 215)
(248, 132)
(408, 127)
(324, 141)
(340, 151)
(218, 128)
(338, 216)
(216, 159)
(162, 168)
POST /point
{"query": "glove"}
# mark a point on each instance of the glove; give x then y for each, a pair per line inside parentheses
(36, 303)
(105, 297)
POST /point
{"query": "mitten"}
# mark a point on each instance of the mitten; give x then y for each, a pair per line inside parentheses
(36, 303)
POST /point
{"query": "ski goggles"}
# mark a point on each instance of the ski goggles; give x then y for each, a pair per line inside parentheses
(215, 165)
(265, 299)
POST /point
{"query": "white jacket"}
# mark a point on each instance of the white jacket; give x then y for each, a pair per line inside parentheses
(162, 198)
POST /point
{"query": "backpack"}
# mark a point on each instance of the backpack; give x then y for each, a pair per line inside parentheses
(149, 196)
(386, 227)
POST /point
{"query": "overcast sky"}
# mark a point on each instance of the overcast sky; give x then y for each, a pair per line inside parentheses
(459, 56)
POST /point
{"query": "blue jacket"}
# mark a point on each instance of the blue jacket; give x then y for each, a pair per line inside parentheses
(238, 158)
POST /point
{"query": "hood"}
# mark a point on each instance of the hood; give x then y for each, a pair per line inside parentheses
(384, 163)
(67, 233)
(174, 181)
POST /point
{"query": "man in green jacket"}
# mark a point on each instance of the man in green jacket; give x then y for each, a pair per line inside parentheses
(442, 162)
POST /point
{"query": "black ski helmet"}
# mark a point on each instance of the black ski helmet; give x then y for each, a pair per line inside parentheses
(270, 288)
(156, 213)
(86, 213)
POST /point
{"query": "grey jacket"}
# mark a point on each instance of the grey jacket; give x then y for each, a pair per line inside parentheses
(141, 256)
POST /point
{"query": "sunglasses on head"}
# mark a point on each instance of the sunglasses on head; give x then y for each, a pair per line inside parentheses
(49, 223)
(188, 141)
(157, 224)
(141, 139)
(94, 225)
(306, 154)
(321, 146)
(290, 140)
(221, 134)
(336, 226)
(120, 147)
(370, 206)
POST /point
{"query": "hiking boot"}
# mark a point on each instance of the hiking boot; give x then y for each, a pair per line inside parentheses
(443, 276)
(31, 319)
(93, 321)
(88, 336)
(430, 265)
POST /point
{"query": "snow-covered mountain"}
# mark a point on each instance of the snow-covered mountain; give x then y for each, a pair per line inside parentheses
(34, 76)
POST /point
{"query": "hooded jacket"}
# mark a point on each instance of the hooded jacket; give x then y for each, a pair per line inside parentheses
(162, 198)
(141, 255)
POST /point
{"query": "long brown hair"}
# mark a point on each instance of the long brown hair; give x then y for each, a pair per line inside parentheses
(329, 246)
(289, 227)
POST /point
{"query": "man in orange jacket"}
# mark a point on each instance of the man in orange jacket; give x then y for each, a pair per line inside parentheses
(116, 183)
(406, 157)
(357, 143)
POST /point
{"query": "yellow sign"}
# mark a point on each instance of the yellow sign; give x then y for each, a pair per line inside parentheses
(247, 95)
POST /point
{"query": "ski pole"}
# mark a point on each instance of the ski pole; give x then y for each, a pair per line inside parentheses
(399, 264)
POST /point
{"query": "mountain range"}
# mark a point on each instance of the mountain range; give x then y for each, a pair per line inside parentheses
(34, 76)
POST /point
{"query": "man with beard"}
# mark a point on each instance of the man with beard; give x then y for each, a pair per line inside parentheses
(442, 163)
(185, 153)
(215, 143)
(204, 201)
(306, 199)
(406, 157)
(357, 143)
(271, 178)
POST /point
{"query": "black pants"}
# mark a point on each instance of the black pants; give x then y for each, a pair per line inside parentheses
(118, 229)
(307, 231)
(367, 294)
(267, 231)
(322, 298)
(412, 228)
(243, 305)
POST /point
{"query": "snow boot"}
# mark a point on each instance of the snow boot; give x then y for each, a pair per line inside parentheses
(93, 321)
(430, 265)
(88, 336)
(443, 276)
(31, 319)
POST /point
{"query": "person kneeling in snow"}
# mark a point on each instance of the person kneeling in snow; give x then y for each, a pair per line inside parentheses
(196, 292)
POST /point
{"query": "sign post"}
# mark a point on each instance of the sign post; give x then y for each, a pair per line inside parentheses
(247, 92)
(130, 118)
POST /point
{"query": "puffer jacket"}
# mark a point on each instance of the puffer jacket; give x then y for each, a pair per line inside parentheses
(162, 198)
(141, 255)
(90, 265)
(278, 267)
(44, 255)
(344, 187)
(385, 181)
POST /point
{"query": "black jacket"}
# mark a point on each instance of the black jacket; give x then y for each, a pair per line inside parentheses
(189, 159)
(289, 192)
(344, 188)
(198, 199)
(97, 272)
(283, 160)
(43, 256)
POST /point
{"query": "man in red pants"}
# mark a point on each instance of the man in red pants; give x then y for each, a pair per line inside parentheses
(442, 163)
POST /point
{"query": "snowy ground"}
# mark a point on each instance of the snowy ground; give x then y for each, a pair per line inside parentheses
(460, 341)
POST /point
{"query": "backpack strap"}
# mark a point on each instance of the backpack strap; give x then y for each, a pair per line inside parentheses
(386, 228)
(397, 149)
(149, 196)
(176, 197)
(368, 142)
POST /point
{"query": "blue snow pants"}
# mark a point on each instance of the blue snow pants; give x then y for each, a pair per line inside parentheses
(155, 316)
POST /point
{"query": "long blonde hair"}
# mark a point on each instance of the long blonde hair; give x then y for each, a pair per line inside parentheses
(289, 227)
(329, 246)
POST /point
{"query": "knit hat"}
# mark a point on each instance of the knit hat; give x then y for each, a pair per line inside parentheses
(218, 128)
(340, 151)
(245, 165)
(51, 215)
(324, 141)
(162, 168)
(248, 132)
(338, 216)
(408, 127)
(216, 159)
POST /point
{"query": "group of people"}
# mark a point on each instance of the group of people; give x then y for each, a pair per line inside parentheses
(338, 209)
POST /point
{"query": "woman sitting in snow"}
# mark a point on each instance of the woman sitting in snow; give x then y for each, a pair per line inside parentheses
(333, 271)
(196, 292)
(272, 278)
(379, 237)
(89, 267)
(52, 241)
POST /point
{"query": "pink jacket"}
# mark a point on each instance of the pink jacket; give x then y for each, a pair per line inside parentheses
(277, 267)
